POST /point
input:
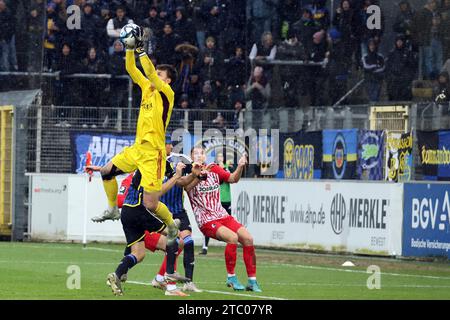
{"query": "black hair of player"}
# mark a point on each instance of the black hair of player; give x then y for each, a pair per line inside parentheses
(172, 73)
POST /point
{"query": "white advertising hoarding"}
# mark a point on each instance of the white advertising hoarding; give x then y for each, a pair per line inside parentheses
(332, 216)
(57, 210)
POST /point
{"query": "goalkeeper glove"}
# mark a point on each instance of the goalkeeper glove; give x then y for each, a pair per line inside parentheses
(140, 46)
(138, 34)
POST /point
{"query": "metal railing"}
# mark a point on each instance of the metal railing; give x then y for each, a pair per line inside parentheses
(49, 127)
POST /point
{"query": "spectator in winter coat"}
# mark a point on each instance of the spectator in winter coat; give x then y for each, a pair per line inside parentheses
(35, 30)
(306, 27)
(184, 27)
(237, 68)
(433, 54)
(93, 64)
(400, 71)
(338, 67)
(165, 47)
(403, 20)
(214, 23)
(345, 22)
(421, 32)
(258, 90)
(374, 65)
(66, 65)
(264, 50)
(116, 24)
(153, 22)
(316, 76)
(210, 64)
(260, 13)
(291, 49)
(118, 87)
(90, 26)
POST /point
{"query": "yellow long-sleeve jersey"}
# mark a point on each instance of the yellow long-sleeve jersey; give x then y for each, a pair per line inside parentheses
(156, 103)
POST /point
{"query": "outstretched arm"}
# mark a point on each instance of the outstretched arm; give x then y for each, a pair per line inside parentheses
(133, 71)
(150, 72)
(236, 175)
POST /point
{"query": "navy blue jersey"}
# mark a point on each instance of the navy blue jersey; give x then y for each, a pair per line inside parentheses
(173, 199)
(135, 192)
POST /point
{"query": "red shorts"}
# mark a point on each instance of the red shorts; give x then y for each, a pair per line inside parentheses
(210, 229)
(151, 240)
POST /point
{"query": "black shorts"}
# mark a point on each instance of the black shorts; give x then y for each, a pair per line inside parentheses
(137, 220)
(184, 219)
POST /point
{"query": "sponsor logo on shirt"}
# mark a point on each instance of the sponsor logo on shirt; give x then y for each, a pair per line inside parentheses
(208, 188)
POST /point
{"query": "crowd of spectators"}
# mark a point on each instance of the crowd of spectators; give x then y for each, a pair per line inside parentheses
(222, 49)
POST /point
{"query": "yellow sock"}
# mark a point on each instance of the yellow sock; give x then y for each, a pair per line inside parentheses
(111, 189)
(163, 212)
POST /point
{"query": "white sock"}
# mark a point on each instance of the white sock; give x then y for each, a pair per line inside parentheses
(171, 287)
(231, 275)
(252, 278)
(159, 278)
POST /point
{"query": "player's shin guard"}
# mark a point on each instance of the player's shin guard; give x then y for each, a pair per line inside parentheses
(111, 189)
(250, 261)
(230, 257)
(163, 212)
(128, 262)
(188, 258)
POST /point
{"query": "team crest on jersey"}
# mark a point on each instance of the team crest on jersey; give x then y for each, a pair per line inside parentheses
(213, 225)
(147, 106)
(122, 190)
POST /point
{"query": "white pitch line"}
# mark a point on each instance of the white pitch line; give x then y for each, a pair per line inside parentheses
(263, 265)
(222, 292)
(315, 284)
(362, 271)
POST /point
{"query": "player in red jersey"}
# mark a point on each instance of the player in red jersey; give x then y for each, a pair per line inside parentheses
(215, 222)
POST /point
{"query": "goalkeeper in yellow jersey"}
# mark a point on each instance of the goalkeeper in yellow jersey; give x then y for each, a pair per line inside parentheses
(148, 152)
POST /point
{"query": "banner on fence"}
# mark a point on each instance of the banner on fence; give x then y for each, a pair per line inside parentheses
(434, 152)
(370, 154)
(103, 147)
(399, 157)
(340, 154)
(426, 220)
(301, 155)
(327, 216)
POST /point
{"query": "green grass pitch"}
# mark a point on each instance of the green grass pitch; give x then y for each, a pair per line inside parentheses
(39, 271)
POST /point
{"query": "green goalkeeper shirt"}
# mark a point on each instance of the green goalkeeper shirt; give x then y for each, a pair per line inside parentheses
(225, 193)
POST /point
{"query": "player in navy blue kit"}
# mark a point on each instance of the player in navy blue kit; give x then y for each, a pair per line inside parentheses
(173, 199)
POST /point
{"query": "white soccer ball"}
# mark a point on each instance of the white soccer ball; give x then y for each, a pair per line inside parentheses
(127, 35)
